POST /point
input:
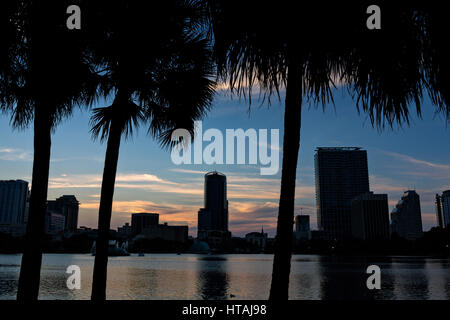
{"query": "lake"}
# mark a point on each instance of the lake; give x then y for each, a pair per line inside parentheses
(236, 276)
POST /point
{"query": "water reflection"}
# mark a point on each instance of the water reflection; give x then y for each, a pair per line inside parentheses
(445, 266)
(8, 287)
(344, 278)
(305, 278)
(166, 276)
(410, 278)
(213, 278)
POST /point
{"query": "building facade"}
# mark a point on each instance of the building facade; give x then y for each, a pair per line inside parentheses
(140, 221)
(341, 174)
(445, 201)
(370, 216)
(259, 239)
(406, 218)
(165, 232)
(213, 218)
(55, 223)
(439, 213)
(67, 206)
(13, 202)
(302, 227)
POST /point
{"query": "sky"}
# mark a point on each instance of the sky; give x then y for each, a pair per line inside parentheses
(412, 157)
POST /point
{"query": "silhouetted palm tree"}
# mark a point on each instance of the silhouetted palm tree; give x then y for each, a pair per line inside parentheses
(437, 64)
(7, 8)
(305, 49)
(158, 68)
(46, 77)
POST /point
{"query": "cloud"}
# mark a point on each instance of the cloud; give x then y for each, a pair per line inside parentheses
(239, 187)
(141, 178)
(247, 217)
(188, 171)
(420, 168)
(380, 184)
(418, 161)
(9, 154)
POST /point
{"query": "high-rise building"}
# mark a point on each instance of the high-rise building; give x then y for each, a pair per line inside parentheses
(213, 218)
(302, 227)
(341, 174)
(67, 206)
(445, 201)
(406, 218)
(370, 216)
(13, 202)
(55, 223)
(439, 213)
(140, 221)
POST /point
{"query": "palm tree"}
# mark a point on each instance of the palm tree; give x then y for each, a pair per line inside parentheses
(46, 77)
(304, 50)
(158, 67)
(7, 8)
(437, 65)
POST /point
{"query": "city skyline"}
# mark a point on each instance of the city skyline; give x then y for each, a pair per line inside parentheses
(399, 159)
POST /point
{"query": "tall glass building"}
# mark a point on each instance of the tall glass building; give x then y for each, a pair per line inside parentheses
(13, 202)
(341, 174)
(439, 213)
(214, 216)
(406, 218)
(445, 200)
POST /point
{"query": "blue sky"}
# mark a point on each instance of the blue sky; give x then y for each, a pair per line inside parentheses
(414, 157)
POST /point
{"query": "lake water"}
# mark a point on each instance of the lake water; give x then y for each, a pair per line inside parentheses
(190, 276)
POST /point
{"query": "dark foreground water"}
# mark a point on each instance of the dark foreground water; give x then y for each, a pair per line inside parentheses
(189, 276)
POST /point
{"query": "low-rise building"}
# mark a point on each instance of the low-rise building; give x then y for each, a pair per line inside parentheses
(126, 229)
(257, 238)
(165, 232)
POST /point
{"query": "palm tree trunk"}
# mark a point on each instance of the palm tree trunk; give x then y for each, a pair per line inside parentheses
(104, 214)
(30, 269)
(291, 144)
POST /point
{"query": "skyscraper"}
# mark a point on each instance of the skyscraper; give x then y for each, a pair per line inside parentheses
(445, 201)
(13, 201)
(214, 216)
(439, 214)
(67, 206)
(406, 218)
(341, 175)
(370, 216)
